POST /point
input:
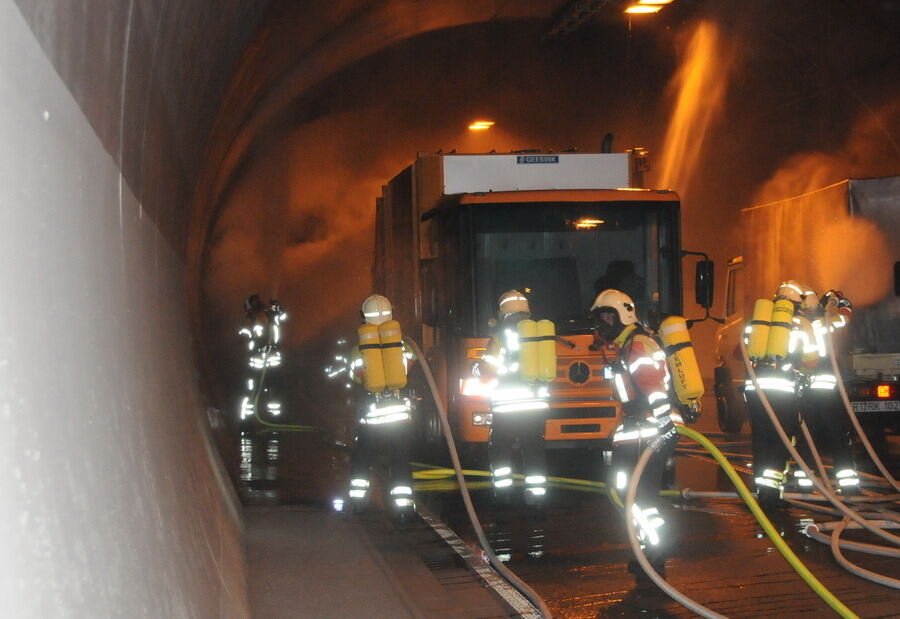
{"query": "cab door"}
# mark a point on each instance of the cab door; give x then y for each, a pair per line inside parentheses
(729, 370)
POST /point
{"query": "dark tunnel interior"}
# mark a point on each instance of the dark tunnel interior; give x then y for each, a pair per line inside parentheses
(167, 159)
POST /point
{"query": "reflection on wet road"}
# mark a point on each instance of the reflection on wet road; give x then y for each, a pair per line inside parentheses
(573, 550)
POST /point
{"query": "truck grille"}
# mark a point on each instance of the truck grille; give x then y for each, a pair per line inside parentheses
(586, 412)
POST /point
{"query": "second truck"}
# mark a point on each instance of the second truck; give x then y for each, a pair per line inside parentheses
(845, 234)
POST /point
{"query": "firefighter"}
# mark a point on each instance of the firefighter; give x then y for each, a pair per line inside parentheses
(520, 400)
(642, 386)
(385, 424)
(794, 372)
(262, 329)
(822, 407)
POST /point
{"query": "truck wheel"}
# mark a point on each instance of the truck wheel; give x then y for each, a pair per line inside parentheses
(729, 406)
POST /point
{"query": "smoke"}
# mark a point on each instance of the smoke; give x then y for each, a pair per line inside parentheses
(699, 87)
(848, 254)
(870, 150)
(853, 256)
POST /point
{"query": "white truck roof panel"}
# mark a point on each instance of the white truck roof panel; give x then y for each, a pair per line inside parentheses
(518, 172)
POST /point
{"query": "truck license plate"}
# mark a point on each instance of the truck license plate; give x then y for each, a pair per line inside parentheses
(876, 407)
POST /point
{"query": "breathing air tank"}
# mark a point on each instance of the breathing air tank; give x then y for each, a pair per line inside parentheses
(780, 331)
(392, 354)
(528, 350)
(546, 333)
(681, 359)
(759, 329)
(370, 347)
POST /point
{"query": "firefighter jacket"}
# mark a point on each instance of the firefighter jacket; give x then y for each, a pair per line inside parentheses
(501, 361)
(263, 333)
(641, 378)
(808, 351)
(388, 407)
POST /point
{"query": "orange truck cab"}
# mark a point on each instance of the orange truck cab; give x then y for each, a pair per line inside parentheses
(455, 231)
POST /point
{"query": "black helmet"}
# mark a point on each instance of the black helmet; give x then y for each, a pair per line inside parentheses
(252, 303)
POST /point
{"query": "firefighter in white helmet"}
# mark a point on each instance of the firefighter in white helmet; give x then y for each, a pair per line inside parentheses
(385, 423)
(794, 372)
(262, 328)
(518, 406)
(641, 378)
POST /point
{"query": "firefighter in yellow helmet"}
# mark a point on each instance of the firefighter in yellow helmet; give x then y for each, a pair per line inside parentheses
(379, 363)
(794, 372)
(641, 378)
(518, 406)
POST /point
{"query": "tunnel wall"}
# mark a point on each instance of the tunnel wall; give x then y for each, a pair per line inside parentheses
(112, 499)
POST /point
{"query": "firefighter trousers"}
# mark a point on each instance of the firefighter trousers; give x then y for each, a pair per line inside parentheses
(823, 411)
(625, 454)
(770, 456)
(390, 440)
(523, 430)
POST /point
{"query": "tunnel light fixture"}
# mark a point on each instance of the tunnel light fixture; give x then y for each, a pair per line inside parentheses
(588, 223)
(643, 9)
(656, 2)
(481, 125)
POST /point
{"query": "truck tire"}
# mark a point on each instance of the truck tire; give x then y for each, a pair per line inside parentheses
(729, 405)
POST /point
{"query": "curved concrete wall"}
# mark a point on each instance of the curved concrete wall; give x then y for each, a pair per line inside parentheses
(112, 500)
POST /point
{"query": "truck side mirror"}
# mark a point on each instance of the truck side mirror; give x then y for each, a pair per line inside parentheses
(704, 278)
(897, 279)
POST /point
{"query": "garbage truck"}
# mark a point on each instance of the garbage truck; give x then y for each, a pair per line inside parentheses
(455, 231)
(845, 234)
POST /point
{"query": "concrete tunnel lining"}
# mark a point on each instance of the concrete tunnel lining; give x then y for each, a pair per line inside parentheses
(114, 500)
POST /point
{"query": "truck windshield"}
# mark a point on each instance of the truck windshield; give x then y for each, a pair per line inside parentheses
(562, 254)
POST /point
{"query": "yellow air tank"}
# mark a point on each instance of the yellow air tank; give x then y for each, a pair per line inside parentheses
(681, 359)
(780, 331)
(392, 354)
(759, 328)
(546, 333)
(370, 347)
(528, 350)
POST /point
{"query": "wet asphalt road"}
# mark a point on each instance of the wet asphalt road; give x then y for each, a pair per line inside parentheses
(573, 550)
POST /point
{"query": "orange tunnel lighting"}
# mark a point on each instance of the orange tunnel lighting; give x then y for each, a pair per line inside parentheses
(588, 223)
(659, 2)
(481, 125)
(643, 8)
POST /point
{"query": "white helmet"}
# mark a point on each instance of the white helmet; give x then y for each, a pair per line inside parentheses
(810, 298)
(620, 302)
(798, 293)
(511, 302)
(376, 309)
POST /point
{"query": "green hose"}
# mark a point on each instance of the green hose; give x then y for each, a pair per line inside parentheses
(286, 427)
(757, 512)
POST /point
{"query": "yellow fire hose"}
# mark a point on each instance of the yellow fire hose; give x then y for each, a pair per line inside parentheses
(814, 583)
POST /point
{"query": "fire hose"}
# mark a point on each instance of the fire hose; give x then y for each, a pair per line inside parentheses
(823, 486)
(755, 509)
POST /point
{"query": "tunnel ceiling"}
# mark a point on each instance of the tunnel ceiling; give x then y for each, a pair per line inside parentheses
(301, 44)
(315, 71)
